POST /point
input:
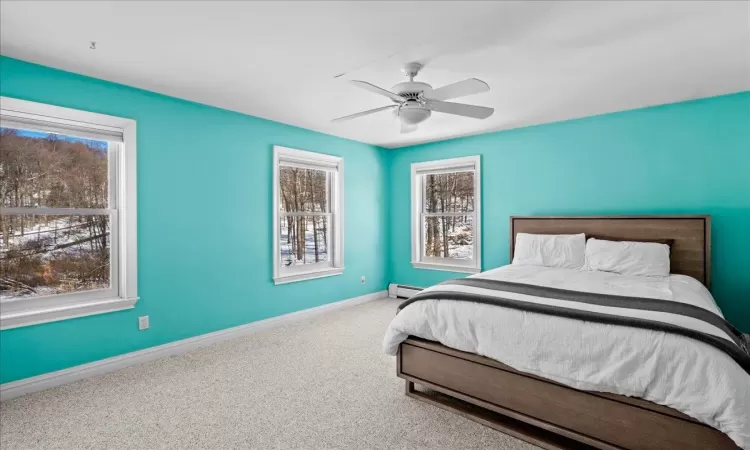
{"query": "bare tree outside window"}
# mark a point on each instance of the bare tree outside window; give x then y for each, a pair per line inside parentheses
(304, 215)
(53, 252)
(448, 200)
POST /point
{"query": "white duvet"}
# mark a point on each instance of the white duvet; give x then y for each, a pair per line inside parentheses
(672, 370)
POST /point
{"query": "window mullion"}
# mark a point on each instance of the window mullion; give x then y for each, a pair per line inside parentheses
(56, 211)
(303, 214)
(448, 214)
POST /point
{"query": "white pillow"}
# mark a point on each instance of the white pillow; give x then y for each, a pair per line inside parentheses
(648, 259)
(550, 250)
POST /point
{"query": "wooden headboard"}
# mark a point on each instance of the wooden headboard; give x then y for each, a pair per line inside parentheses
(691, 235)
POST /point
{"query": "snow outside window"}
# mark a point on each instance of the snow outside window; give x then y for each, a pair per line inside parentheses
(67, 213)
(307, 215)
(446, 215)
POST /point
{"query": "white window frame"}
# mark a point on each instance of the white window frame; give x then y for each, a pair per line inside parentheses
(123, 294)
(283, 156)
(418, 171)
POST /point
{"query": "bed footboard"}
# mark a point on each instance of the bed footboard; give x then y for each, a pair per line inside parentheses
(543, 412)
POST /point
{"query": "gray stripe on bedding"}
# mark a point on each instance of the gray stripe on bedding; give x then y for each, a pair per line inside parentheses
(617, 301)
(737, 352)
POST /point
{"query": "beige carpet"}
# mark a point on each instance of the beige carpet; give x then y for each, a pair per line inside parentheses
(319, 384)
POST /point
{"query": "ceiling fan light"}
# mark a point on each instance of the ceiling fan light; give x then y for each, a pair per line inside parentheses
(413, 115)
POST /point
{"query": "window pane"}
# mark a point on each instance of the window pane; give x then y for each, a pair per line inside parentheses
(449, 192)
(45, 255)
(304, 240)
(303, 190)
(449, 237)
(52, 170)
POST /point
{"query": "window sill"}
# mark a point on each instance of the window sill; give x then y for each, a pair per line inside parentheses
(445, 267)
(328, 272)
(21, 317)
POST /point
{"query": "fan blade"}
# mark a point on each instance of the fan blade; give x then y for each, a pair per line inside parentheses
(363, 113)
(460, 89)
(377, 90)
(460, 109)
(405, 128)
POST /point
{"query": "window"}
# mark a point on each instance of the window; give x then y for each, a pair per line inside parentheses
(67, 213)
(446, 219)
(308, 235)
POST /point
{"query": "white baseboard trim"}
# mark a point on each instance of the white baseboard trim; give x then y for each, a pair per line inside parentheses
(49, 380)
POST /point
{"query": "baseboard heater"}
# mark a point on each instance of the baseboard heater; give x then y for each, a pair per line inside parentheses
(402, 290)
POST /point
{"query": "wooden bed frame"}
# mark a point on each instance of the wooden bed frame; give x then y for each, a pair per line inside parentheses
(549, 414)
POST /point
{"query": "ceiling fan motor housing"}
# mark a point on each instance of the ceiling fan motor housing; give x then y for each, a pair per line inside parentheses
(413, 110)
(412, 89)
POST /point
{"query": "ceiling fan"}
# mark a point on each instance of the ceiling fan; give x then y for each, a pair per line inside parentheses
(414, 101)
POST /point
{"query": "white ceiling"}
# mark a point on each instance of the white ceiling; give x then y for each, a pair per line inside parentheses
(544, 61)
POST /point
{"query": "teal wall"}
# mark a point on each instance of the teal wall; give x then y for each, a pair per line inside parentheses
(204, 227)
(691, 157)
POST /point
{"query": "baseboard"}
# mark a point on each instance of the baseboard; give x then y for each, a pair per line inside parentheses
(402, 290)
(49, 380)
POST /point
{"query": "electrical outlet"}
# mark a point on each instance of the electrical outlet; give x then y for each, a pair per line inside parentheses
(363, 280)
(143, 323)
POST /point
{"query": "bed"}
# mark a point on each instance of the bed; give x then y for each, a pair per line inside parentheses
(550, 411)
